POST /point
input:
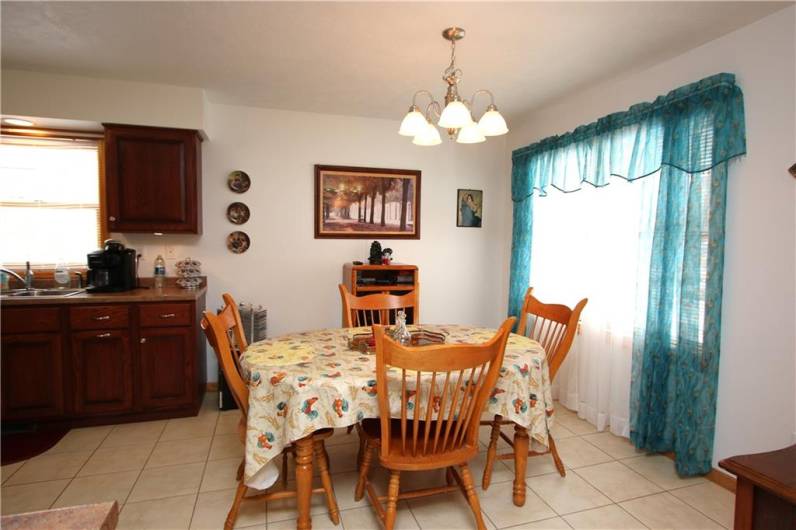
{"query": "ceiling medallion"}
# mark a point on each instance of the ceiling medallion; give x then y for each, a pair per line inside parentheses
(457, 116)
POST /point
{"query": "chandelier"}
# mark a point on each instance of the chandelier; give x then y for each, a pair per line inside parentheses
(457, 116)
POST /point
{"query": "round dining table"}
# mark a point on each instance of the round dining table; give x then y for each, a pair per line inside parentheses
(303, 382)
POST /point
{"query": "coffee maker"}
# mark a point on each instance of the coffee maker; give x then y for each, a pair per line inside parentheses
(112, 269)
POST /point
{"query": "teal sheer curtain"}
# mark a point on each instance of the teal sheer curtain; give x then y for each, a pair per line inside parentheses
(688, 135)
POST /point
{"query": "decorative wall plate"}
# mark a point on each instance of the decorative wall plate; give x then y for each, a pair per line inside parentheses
(238, 242)
(239, 181)
(238, 213)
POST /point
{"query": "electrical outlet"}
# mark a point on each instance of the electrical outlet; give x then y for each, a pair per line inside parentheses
(171, 252)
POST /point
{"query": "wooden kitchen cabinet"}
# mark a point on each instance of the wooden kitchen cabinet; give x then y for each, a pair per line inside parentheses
(32, 376)
(103, 358)
(153, 179)
(166, 362)
(103, 372)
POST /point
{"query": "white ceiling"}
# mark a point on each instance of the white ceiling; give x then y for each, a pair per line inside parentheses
(363, 59)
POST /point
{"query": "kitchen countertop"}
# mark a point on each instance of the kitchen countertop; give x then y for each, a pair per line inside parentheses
(170, 293)
(103, 516)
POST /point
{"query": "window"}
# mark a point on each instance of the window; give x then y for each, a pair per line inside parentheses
(49, 200)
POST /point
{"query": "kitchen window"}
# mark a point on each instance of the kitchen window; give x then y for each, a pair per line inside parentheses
(50, 207)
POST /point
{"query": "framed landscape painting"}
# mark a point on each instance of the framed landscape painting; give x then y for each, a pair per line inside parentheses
(366, 203)
(469, 208)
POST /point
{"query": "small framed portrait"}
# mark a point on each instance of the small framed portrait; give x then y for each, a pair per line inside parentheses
(469, 208)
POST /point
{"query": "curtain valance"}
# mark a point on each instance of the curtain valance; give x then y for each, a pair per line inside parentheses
(705, 117)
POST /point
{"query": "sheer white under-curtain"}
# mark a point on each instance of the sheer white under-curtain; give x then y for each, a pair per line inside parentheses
(591, 244)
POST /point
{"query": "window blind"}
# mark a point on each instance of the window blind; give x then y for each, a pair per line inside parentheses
(49, 200)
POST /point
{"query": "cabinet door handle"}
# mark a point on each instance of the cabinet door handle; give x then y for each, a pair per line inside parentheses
(103, 317)
(111, 218)
(143, 340)
(103, 335)
(168, 315)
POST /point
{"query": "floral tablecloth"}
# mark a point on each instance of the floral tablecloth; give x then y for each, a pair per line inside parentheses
(303, 382)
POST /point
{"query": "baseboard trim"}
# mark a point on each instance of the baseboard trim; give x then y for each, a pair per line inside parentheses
(716, 476)
(722, 479)
(211, 387)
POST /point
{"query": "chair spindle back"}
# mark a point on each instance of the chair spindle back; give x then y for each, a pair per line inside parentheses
(377, 308)
(443, 390)
(221, 330)
(551, 325)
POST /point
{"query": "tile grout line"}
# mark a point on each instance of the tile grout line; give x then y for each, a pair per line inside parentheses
(574, 470)
(143, 467)
(3, 484)
(81, 467)
(663, 489)
(691, 505)
(537, 521)
(631, 515)
(204, 469)
(613, 502)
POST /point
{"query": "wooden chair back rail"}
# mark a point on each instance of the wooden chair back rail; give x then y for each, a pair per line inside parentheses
(551, 325)
(217, 330)
(232, 321)
(467, 374)
(376, 308)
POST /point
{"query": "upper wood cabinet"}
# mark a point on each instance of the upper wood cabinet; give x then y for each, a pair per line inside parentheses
(153, 179)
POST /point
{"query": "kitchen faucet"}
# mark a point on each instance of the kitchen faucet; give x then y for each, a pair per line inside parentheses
(27, 280)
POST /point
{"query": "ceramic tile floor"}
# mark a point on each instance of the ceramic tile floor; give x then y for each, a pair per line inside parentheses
(180, 474)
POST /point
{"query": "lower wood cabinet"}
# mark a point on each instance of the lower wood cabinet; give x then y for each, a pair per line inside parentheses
(90, 364)
(167, 362)
(32, 376)
(102, 364)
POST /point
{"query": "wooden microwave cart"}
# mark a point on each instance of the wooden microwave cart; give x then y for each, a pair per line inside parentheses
(361, 280)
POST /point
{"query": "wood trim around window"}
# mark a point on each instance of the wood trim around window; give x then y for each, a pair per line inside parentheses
(61, 134)
(103, 207)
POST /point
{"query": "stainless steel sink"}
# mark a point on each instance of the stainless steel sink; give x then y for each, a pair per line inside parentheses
(43, 292)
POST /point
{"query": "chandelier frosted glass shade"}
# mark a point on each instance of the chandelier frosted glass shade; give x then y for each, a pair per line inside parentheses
(428, 136)
(413, 123)
(492, 123)
(470, 134)
(455, 115)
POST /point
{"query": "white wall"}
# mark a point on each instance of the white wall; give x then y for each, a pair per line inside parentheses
(757, 389)
(294, 275)
(288, 271)
(101, 100)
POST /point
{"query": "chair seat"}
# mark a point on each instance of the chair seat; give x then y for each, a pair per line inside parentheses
(371, 428)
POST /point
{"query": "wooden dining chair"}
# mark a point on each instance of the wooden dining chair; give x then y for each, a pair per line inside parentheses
(442, 390)
(220, 330)
(554, 327)
(377, 308)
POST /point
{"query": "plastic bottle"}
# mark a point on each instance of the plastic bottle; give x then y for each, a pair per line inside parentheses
(61, 275)
(160, 272)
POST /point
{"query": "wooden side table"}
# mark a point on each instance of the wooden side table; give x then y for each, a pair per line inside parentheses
(398, 279)
(765, 493)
